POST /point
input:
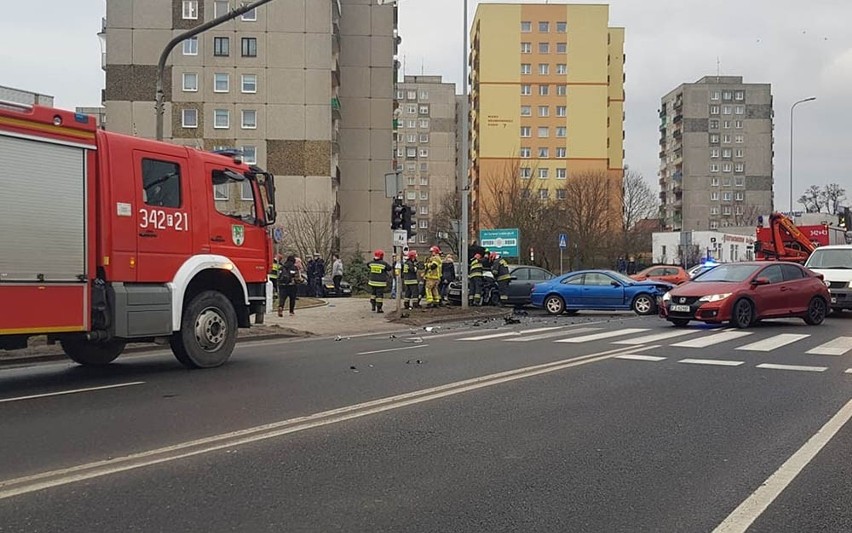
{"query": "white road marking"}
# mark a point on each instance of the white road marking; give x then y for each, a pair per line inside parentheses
(710, 340)
(799, 368)
(561, 333)
(777, 341)
(65, 476)
(838, 346)
(635, 357)
(656, 337)
(491, 336)
(715, 362)
(604, 335)
(848, 371)
(749, 510)
(394, 349)
(74, 391)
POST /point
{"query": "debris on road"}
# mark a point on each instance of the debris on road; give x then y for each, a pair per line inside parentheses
(339, 338)
(415, 362)
(511, 320)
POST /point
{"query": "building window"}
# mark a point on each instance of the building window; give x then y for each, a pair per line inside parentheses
(543, 194)
(411, 137)
(190, 9)
(714, 110)
(526, 26)
(714, 138)
(424, 123)
(543, 152)
(411, 181)
(543, 69)
(412, 123)
(738, 210)
(726, 210)
(739, 139)
(249, 46)
(740, 110)
(561, 152)
(424, 223)
(714, 196)
(561, 27)
(526, 68)
(738, 152)
(714, 182)
(561, 111)
(726, 96)
(714, 210)
(526, 90)
(726, 181)
(561, 131)
(543, 48)
(526, 48)
(726, 167)
(544, 27)
(400, 94)
(714, 224)
(189, 118)
(739, 95)
(726, 110)
(726, 139)
(543, 132)
(714, 95)
(739, 181)
(739, 168)
(726, 124)
(190, 46)
(411, 109)
(249, 155)
(525, 131)
(220, 7)
(526, 111)
(727, 196)
(543, 90)
(424, 137)
(221, 82)
(249, 121)
(424, 195)
(543, 173)
(424, 110)
(411, 151)
(714, 153)
(249, 83)
(221, 46)
(411, 195)
(726, 153)
(561, 48)
(561, 68)
(740, 196)
(561, 173)
(424, 166)
(424, 94)
(714, 167)
(424, 210)
(714, 124)
(525, 152)
(190, 82)
(424, 152)
(561, 90)
(543, 111)
(221, 119)
(560, 194)
(738, 124)
(250, 15)
(411, 95)
(526, 172)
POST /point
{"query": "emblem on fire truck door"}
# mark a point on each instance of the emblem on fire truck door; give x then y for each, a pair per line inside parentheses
(238, 234)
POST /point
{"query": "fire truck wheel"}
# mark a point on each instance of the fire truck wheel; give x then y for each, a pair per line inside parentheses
(208, 331)
(90, 353)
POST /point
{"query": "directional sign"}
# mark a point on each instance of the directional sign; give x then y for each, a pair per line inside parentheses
(563, 240)
(400, 237)
(506, 242)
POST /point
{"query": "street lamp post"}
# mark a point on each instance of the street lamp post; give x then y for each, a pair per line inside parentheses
(811, 99)
(466, 166)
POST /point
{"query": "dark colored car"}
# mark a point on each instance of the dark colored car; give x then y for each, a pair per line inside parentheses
(523, 279)
(598, 290)
(743, 293)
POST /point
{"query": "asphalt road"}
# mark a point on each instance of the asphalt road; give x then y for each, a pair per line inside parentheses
(588, 423)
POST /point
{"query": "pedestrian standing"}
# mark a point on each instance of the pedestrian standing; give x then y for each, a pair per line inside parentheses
(287, 279)
(631, 266)
(621, 265)
(380, 273)
(475, 277)
(319, 273)
(310, 275)
(336, 273)
(448, 275)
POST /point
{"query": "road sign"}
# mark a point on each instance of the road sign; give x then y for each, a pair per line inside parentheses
(278, 235)
(563, 240)
(505, 242)
(400, 237)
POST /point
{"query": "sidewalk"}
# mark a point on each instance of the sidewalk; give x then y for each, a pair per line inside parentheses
(338, 316)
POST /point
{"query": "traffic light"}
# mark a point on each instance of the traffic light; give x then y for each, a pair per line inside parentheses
(397, 214)
(406, 221)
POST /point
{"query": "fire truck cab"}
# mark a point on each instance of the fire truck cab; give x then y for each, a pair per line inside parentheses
(107, 239)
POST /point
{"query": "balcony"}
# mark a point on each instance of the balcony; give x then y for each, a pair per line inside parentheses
(662, 154)
(678, 117)
(335, 74)
(663, 112)
(677, 134)
(335, 37)
(678, 103)
(335, 108)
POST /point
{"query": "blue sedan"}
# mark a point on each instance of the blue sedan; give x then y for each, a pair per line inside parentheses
(598, 290)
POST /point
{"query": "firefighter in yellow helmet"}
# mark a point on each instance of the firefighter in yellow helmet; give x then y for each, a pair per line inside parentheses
(433, 277)
(380, 273)
(475, 276)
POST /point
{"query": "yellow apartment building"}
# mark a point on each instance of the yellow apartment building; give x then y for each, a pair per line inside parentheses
(547, 99)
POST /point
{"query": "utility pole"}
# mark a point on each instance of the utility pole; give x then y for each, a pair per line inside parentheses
(811, 99)
(161, 66)
(464, 229)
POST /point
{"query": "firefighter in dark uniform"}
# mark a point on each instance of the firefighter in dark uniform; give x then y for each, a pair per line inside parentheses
(501, 275)
(411, 281)
(475, 276)
(380, 273)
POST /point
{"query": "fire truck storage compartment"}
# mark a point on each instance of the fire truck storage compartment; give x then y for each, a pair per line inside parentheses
(142, 310)
(42, 211)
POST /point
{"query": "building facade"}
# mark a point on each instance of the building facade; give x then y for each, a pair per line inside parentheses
(426, 150)
(98, 112)
(270, 83)
(716, 148)
(547, 99)
(20, 96)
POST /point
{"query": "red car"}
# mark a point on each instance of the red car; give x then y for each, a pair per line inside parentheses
(668, 273)
(743, 293)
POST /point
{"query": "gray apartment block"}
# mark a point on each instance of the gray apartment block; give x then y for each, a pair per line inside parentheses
(715, 154)
(425, 145)
(303, 87)
(20, 96)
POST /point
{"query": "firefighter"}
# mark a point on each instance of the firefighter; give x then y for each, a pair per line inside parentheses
(411, 296)
(380, 272)
(274, 273)
(433, 277)
(501, 273)
(475, 276)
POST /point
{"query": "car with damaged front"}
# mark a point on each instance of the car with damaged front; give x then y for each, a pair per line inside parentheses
(599, 290)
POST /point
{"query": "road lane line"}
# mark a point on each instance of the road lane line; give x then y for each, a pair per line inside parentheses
(838, 346)
(491, 336)
(749, 510)
(777, 341)
(848, 371)
(74, 391)
(604, 335)
(73, 474)
(710, 340)
(656, 337)
(715, 362)
(394, 349)
(552, 334)
(799, 368)
(636, 357)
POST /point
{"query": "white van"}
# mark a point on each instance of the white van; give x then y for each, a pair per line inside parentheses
(835, 264)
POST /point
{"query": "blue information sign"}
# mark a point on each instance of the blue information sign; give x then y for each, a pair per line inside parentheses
(563, 240)
(506, 242)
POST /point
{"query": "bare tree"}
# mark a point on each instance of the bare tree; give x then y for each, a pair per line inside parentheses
(308, 230)
(827, 199)
(748, 216)
(587, 215)
(834, 196)
(639, 203)
(812, 199)
(442, 222)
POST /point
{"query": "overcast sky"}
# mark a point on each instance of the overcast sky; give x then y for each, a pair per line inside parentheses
(803, 48)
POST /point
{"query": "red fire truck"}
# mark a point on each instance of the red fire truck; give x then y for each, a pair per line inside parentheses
(784, 240)
(107, 239)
